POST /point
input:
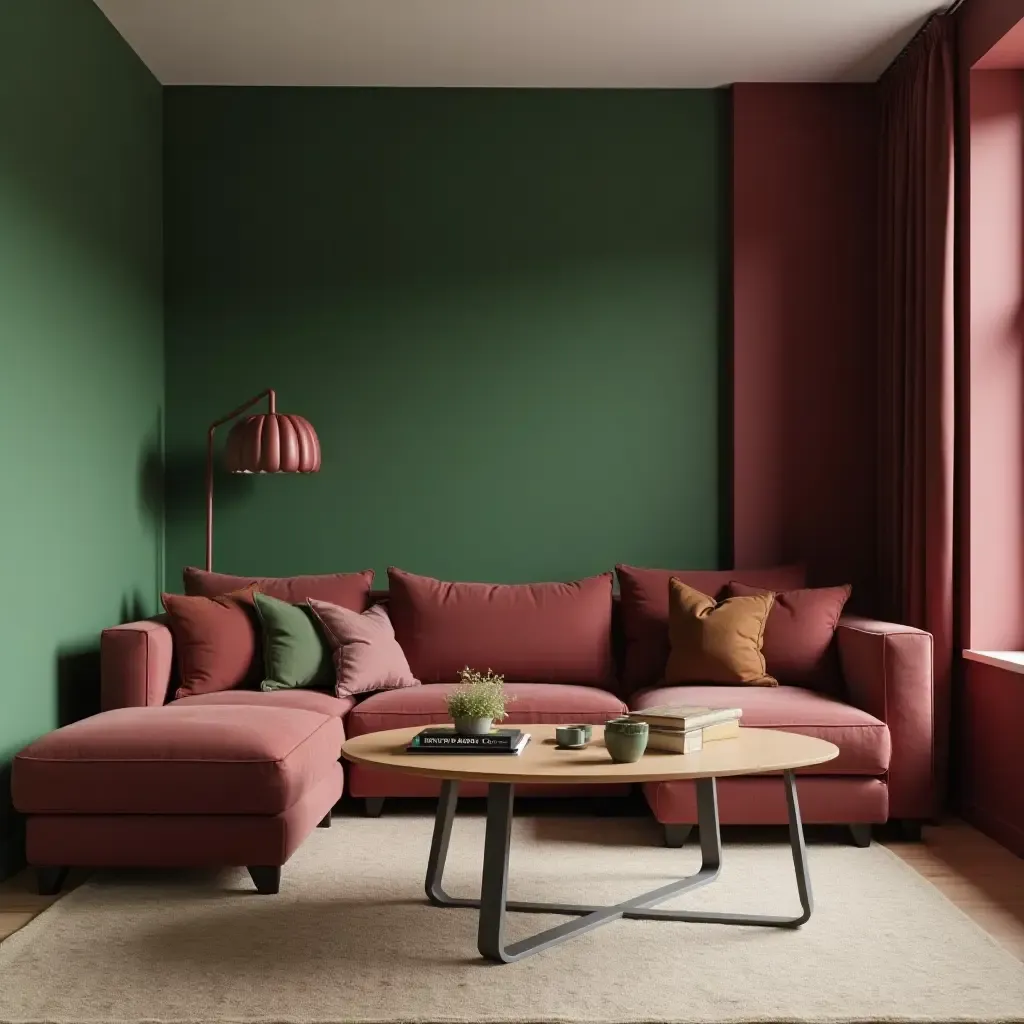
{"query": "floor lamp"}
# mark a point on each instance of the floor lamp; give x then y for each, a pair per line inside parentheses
(269, 442)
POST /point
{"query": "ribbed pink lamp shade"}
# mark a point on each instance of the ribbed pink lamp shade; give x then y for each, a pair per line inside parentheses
(268, 442)
(272, 443)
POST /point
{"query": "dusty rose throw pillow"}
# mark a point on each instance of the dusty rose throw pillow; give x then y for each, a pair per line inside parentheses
(798, 635)
(367, 657)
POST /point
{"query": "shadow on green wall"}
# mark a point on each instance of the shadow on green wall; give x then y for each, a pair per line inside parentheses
(180, 481)
(172, 489)
(12, 828)
(77, 671)
(78, 681)
(77, 666)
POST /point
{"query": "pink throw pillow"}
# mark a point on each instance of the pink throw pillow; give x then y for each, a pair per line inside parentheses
(367, 657)
(797, 644)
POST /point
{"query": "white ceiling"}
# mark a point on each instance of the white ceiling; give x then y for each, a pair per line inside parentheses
(509, 43)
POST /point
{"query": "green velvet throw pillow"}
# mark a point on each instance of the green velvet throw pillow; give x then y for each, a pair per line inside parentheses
(294, 651)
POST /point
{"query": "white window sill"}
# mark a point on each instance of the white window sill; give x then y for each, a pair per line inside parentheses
(1011, 661)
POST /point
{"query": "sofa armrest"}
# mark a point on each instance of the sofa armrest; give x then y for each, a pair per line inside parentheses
(136, 662)
(888, 673)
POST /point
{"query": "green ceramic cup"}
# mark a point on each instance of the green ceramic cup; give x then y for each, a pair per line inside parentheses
(625, 739)
(571, 737)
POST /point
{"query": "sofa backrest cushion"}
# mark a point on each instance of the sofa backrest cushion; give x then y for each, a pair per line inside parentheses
(348, 589)
(529, 633)
(644, 606)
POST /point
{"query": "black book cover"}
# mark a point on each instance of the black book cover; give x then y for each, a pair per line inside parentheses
(449, 739)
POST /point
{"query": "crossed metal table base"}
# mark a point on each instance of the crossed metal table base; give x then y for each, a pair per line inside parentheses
(494, 903)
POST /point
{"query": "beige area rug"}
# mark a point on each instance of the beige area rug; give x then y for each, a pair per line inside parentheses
(350, 939)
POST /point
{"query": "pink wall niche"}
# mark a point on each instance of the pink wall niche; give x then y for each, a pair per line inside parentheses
(995, 528)
(804, 185)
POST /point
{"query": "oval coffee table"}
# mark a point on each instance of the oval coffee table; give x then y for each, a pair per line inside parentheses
(753, 752)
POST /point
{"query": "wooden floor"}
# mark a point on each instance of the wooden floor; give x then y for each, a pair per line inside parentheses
(981, 877)
(984, 879)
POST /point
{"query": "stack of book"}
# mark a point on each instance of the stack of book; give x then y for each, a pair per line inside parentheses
(440, 740)
(682, 729)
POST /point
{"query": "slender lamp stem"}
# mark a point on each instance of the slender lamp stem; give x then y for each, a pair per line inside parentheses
(272, 400)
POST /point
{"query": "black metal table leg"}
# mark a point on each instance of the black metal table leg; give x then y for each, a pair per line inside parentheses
(446, 805)
(707, 811)
(494, 902)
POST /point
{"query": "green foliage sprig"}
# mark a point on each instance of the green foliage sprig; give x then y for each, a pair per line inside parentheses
(480, 695)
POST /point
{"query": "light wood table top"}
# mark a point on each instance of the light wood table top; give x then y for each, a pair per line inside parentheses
(753, 752)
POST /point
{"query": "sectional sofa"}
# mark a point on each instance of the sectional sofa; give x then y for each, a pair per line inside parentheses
(574, 652)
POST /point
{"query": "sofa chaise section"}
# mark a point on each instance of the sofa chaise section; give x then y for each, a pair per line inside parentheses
(178, 786)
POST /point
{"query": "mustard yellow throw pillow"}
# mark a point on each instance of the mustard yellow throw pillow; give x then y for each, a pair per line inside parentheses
(712, 642)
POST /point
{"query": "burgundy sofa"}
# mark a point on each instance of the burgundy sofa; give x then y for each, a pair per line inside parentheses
(586, 657)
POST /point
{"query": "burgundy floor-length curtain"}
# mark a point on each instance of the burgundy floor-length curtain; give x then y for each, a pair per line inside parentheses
(916, 336)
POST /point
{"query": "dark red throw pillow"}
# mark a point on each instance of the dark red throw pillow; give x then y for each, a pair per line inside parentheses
(797, 644)
(644, 607)
(348, 589)
(216, 640)
(529, 633)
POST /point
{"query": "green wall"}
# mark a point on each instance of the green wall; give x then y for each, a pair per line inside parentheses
(81, 351)
(498, 308)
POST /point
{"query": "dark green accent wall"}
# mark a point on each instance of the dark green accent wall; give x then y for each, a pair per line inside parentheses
(81, 359)
(499, 309)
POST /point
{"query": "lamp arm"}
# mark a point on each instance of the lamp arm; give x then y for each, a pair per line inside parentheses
(272, 400)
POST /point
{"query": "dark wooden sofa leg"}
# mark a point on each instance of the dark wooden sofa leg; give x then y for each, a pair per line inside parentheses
(49, 880)
(910, 830)
(266, 879)
(374, 806)
(325, 821)
(676, 835)
(861, 835)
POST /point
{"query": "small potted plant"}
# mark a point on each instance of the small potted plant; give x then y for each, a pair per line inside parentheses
(478, 703)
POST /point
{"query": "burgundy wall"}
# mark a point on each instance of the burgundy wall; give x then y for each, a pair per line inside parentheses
(804, 327)
(992, 781)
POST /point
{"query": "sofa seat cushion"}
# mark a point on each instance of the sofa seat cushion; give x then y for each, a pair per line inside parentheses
(299, 700)
(178, 759)
(863, 741)
(534, 702)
